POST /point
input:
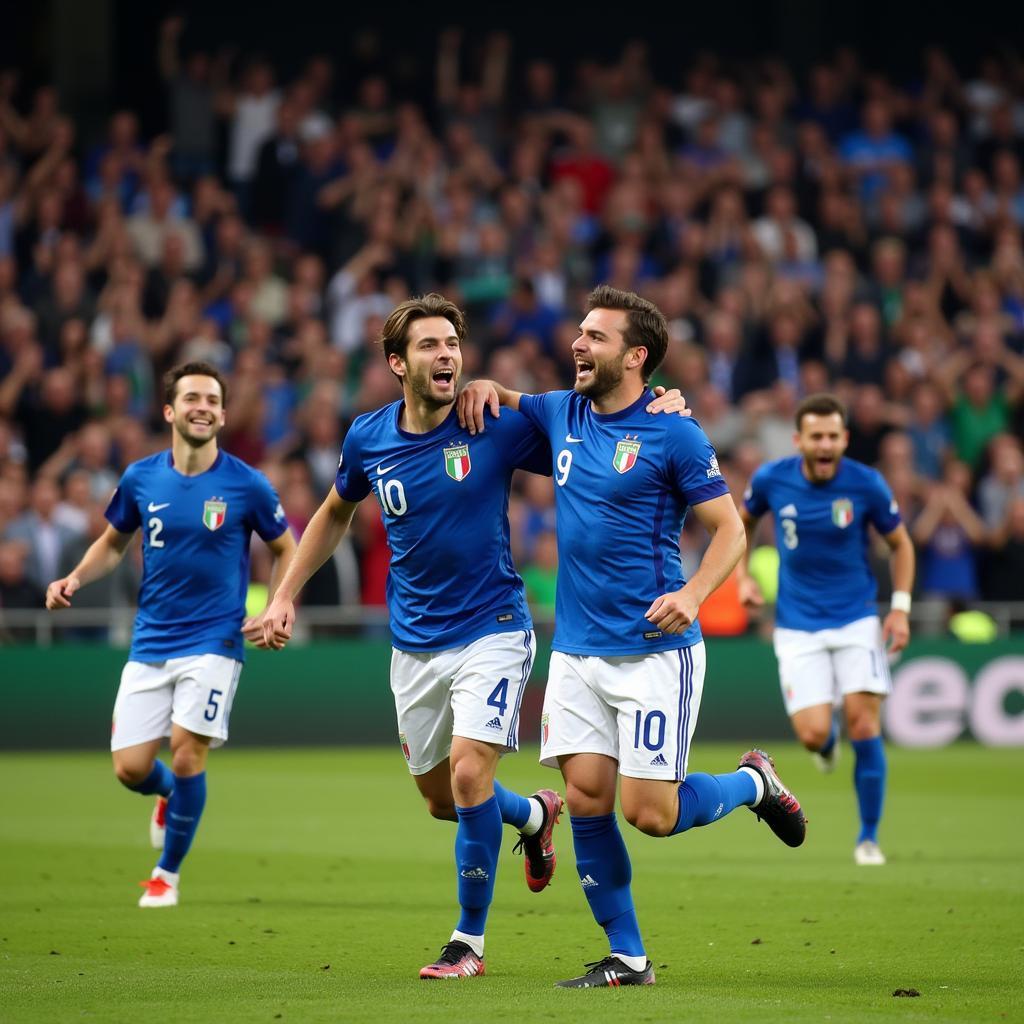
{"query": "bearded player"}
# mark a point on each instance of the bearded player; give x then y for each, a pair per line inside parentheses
(829, 642)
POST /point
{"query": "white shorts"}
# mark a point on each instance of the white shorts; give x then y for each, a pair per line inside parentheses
(194, 692)
(472, 691)
(821, 667)
(640, 710)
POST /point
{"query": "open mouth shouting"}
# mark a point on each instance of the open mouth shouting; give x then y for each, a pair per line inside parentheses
(584, 370)
(444, 378)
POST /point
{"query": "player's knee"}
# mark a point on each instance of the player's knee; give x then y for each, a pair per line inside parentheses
(131, 774)
(187, 761)
(469, 781)
(863, 727)
(813, 737)
(442, 810)
(583, 803)
(652, 821)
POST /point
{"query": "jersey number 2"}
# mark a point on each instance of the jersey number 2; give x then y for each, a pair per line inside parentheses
(155, 527)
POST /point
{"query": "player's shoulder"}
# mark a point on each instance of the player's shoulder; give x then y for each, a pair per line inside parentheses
(779, 469)
(375, 422)
(856, 472)
(232, 465)
(158, 462)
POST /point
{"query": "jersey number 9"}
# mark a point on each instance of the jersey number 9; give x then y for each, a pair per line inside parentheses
(563, 464)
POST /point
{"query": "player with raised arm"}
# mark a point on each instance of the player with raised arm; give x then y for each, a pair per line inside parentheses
(197, 508)
(828, 640)
(627, 663)
(462, 634)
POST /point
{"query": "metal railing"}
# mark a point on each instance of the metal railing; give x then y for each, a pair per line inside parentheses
(114, 625)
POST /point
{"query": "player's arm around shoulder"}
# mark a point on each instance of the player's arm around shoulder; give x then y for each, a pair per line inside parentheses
(323, 534)
(675, 612)
(481, 395)
(102, 557)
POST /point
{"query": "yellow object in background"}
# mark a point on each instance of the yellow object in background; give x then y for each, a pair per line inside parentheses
(255, 599)
(973, 627)
(764, 569)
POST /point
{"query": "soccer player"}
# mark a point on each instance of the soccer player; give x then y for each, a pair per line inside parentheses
(828, 641)
(462, 635)
(627, 663)
(197, 508)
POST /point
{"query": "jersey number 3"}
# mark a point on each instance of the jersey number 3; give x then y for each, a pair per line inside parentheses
(789, 537)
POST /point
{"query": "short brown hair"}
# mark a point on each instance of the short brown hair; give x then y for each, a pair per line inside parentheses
(171, 378)
(395, 335)
(820, 405)
(645, 323)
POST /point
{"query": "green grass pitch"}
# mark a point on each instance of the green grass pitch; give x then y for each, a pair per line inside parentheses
(318, 887)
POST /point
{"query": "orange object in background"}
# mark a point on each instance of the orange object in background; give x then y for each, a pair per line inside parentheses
(722, 614)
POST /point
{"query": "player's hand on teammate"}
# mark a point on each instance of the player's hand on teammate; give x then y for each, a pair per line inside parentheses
(474, 398)
(273, 629)
(750, 593)
(669, 401)
(673, 613)
(58, 593)
(896, 631)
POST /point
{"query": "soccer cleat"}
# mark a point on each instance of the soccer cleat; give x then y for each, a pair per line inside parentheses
(868, 853)
(778, 808)
(538, 851)
(158, 823)
(457, 960)
(161, 890)
(610, 972)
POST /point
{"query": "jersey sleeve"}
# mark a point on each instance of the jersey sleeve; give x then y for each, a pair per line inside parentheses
(693, 463)
(523, 446)
(883, 510)
(540, 409)
(351, 483)
(755, 500)
(123, 509)
(266, 514)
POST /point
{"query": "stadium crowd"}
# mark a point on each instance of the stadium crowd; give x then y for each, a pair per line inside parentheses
(842, 232)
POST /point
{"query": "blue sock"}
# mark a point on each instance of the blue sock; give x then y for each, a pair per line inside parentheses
(159, 780)
(705, 798)
(869, 781)
(477, 842)
(605, 873)
(515, 809)
(184, 809)
(833, 735)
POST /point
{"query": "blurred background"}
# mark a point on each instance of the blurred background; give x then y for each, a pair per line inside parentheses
(818, 197)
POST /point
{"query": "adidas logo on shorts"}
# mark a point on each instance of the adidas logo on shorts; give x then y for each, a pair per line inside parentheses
(494, 723)
(660, 762)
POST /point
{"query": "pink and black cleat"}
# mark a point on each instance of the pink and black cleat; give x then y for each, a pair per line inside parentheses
(457, 960)
(778, 808)
(538, 850)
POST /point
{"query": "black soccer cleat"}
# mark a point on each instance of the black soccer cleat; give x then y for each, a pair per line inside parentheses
(610, 972)
(778, 808)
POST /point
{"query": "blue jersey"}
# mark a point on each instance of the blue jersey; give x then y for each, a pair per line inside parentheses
(623, 485)
(444, 500)
(821, 531)
(195, 552)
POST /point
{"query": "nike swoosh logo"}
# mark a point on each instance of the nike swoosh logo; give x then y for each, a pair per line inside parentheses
(156, 508)
(573, 440)
(381, 470)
